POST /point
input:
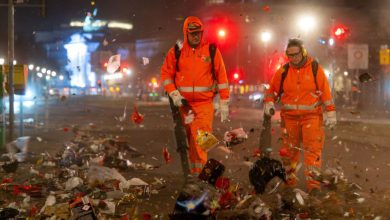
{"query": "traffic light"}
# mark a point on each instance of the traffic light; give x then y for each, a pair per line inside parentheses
(221, 33)
(340, 32)
(236, 76)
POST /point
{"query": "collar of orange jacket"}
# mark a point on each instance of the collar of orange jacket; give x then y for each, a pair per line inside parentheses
(309, 60)
(192, 20)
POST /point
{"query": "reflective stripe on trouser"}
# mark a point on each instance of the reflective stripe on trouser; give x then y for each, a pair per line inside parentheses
(308, 130)
(204, 113)
(300, 107)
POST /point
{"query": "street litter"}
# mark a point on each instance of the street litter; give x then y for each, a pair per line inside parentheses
(235, 136)
(136, 117)
(19, 148)
(206, 140)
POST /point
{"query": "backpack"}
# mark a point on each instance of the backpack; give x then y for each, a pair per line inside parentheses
(212, 50)
(314, 69)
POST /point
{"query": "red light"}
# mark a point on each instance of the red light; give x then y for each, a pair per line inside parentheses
(221, 33)
(105, 64)
(236, 75)
(340, 32)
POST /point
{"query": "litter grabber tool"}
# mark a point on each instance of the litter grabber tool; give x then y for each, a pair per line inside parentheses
(265, 135)
(266, 168)
(180, 135)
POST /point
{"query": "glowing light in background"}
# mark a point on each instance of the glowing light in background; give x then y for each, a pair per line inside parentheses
(120, 25)
(113, 76)
(77, 51)
(307, 23)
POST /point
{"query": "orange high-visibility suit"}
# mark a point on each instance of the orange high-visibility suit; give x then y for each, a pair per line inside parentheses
(302, 117)
(195, 83)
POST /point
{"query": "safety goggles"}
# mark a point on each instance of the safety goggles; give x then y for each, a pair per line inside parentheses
(292, 55)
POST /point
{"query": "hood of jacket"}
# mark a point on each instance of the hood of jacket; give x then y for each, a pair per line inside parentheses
(190, 20)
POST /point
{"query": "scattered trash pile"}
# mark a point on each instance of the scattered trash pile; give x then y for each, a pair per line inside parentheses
(213, 196)
(84, 181)
(80, 182)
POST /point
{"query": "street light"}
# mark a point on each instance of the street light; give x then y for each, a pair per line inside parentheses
(221, 33)
(43, 70)
(265, 36)
(31, 67)
(331, 42)
(307, 23)
(2, 61)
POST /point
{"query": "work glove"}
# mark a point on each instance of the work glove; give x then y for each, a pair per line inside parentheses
(269, 108)
(176, 98)
(224, 109)
(331, 119)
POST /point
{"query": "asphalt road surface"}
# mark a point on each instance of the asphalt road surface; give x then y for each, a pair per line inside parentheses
(358, 147)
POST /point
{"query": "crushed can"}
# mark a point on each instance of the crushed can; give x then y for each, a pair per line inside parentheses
(206, 140)
(212, 171)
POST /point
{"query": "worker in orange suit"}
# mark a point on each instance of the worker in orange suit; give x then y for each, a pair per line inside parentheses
(302, 95)
(193, 81)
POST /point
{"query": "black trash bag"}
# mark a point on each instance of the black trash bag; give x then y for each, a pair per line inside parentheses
(8, 213)
(9, 165)
(264, 170)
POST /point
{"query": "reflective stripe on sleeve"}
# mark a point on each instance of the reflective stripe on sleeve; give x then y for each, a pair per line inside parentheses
(223, 86)
(329, 102)
(167, 82)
